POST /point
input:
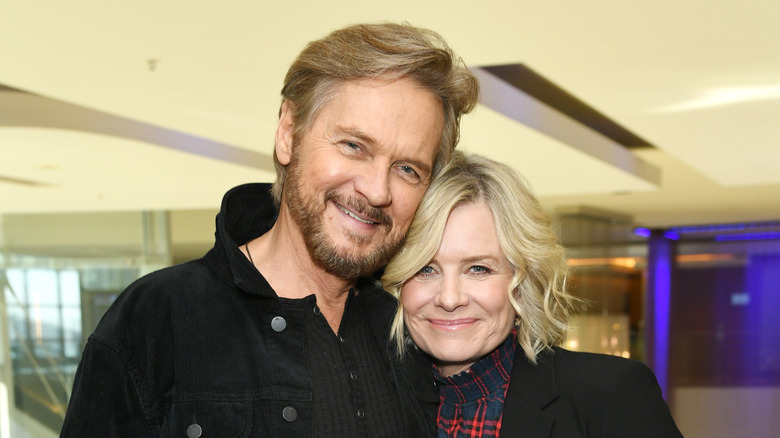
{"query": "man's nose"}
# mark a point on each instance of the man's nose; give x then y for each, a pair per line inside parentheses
(374, 184)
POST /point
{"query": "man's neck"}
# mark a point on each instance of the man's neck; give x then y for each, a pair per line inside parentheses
(283, 259)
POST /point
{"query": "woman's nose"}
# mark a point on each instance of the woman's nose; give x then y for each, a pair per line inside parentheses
(451, 296)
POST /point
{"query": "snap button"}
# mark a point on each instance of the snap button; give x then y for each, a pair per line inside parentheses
(278, 324)
(341, 339)
(194, 430)
(289, 414)
(360, 413)
(353, 376)
(316, 310)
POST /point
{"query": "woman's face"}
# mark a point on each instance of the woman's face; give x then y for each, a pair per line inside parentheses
(457, 308)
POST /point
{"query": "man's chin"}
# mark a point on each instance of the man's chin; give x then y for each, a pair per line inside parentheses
(352, 264)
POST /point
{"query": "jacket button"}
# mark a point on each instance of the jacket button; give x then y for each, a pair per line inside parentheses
(361, 414)
(316, 310)
(194, 431)
(289, 414)
(278, 324)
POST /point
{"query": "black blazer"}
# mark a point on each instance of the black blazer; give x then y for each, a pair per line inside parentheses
(573, 394)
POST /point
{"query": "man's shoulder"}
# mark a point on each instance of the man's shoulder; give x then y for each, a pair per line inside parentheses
(150, 298)
(159, 285)
(162, 277)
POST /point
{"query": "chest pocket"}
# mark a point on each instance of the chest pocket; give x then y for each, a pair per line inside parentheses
(210, 419)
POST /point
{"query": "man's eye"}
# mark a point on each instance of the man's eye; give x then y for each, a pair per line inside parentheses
(409, 173)
(352, 145)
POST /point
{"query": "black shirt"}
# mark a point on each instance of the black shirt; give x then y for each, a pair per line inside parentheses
(351, 388)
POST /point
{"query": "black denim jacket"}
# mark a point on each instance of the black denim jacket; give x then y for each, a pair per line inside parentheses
(191, 350)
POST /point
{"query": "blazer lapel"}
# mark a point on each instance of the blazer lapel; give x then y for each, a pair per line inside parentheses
(531, 389)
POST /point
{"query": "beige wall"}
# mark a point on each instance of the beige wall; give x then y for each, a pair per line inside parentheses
(727, 412)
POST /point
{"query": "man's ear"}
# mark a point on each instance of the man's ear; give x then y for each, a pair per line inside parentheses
(284, 133)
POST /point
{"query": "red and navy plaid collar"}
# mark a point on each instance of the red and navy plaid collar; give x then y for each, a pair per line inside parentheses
(483, 378)
(471, 403)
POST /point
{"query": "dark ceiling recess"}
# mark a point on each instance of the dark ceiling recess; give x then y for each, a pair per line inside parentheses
(23, 182)
(7, 88)
(541, 89)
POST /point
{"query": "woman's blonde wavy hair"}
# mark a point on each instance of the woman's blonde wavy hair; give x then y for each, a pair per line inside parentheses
(537, 290)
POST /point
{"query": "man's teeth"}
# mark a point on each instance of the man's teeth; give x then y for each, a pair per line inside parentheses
(352, 215)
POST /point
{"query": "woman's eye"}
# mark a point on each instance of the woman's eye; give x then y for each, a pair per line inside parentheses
(479, 269)
(426, 270)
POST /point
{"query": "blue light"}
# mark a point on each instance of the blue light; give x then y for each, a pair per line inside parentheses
(747, 236)
(644, 232)
(671, 235)
(659, 286)
(713, 228)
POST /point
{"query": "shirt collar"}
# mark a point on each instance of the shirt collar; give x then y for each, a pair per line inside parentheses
(484, 377)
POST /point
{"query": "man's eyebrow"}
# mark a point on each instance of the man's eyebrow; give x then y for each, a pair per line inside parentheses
(357, 133)
(424, 168)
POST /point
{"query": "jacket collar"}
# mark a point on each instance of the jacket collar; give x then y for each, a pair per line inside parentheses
(247, 212)
(531, 389)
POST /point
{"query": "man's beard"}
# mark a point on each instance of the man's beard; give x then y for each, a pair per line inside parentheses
(349, 262)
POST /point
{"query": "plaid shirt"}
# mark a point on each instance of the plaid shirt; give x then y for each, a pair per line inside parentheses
(471, 402)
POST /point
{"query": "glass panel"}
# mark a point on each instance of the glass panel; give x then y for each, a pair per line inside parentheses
(16, 322)
(69, 288)
(47, 348)
(71, 322)
(733, 287)
(72, 350)
(17, 283)
(42, 287)
(45, 323)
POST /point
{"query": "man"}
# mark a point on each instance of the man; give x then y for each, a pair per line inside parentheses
(280, 330)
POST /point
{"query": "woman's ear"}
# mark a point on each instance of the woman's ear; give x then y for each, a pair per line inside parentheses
(284, 133)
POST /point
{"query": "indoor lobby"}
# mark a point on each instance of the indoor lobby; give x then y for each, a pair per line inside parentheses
(648, 132)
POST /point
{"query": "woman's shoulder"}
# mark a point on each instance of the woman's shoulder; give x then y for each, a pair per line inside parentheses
(611, 395)
(598, 369)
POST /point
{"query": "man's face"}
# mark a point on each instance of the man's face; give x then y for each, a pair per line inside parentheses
(356, 177)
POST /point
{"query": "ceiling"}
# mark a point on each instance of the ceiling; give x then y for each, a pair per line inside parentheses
(146, 105)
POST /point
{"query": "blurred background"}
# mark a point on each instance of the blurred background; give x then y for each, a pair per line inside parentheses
(648, 130)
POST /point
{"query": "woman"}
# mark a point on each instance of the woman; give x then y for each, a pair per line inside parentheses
(481, 282)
